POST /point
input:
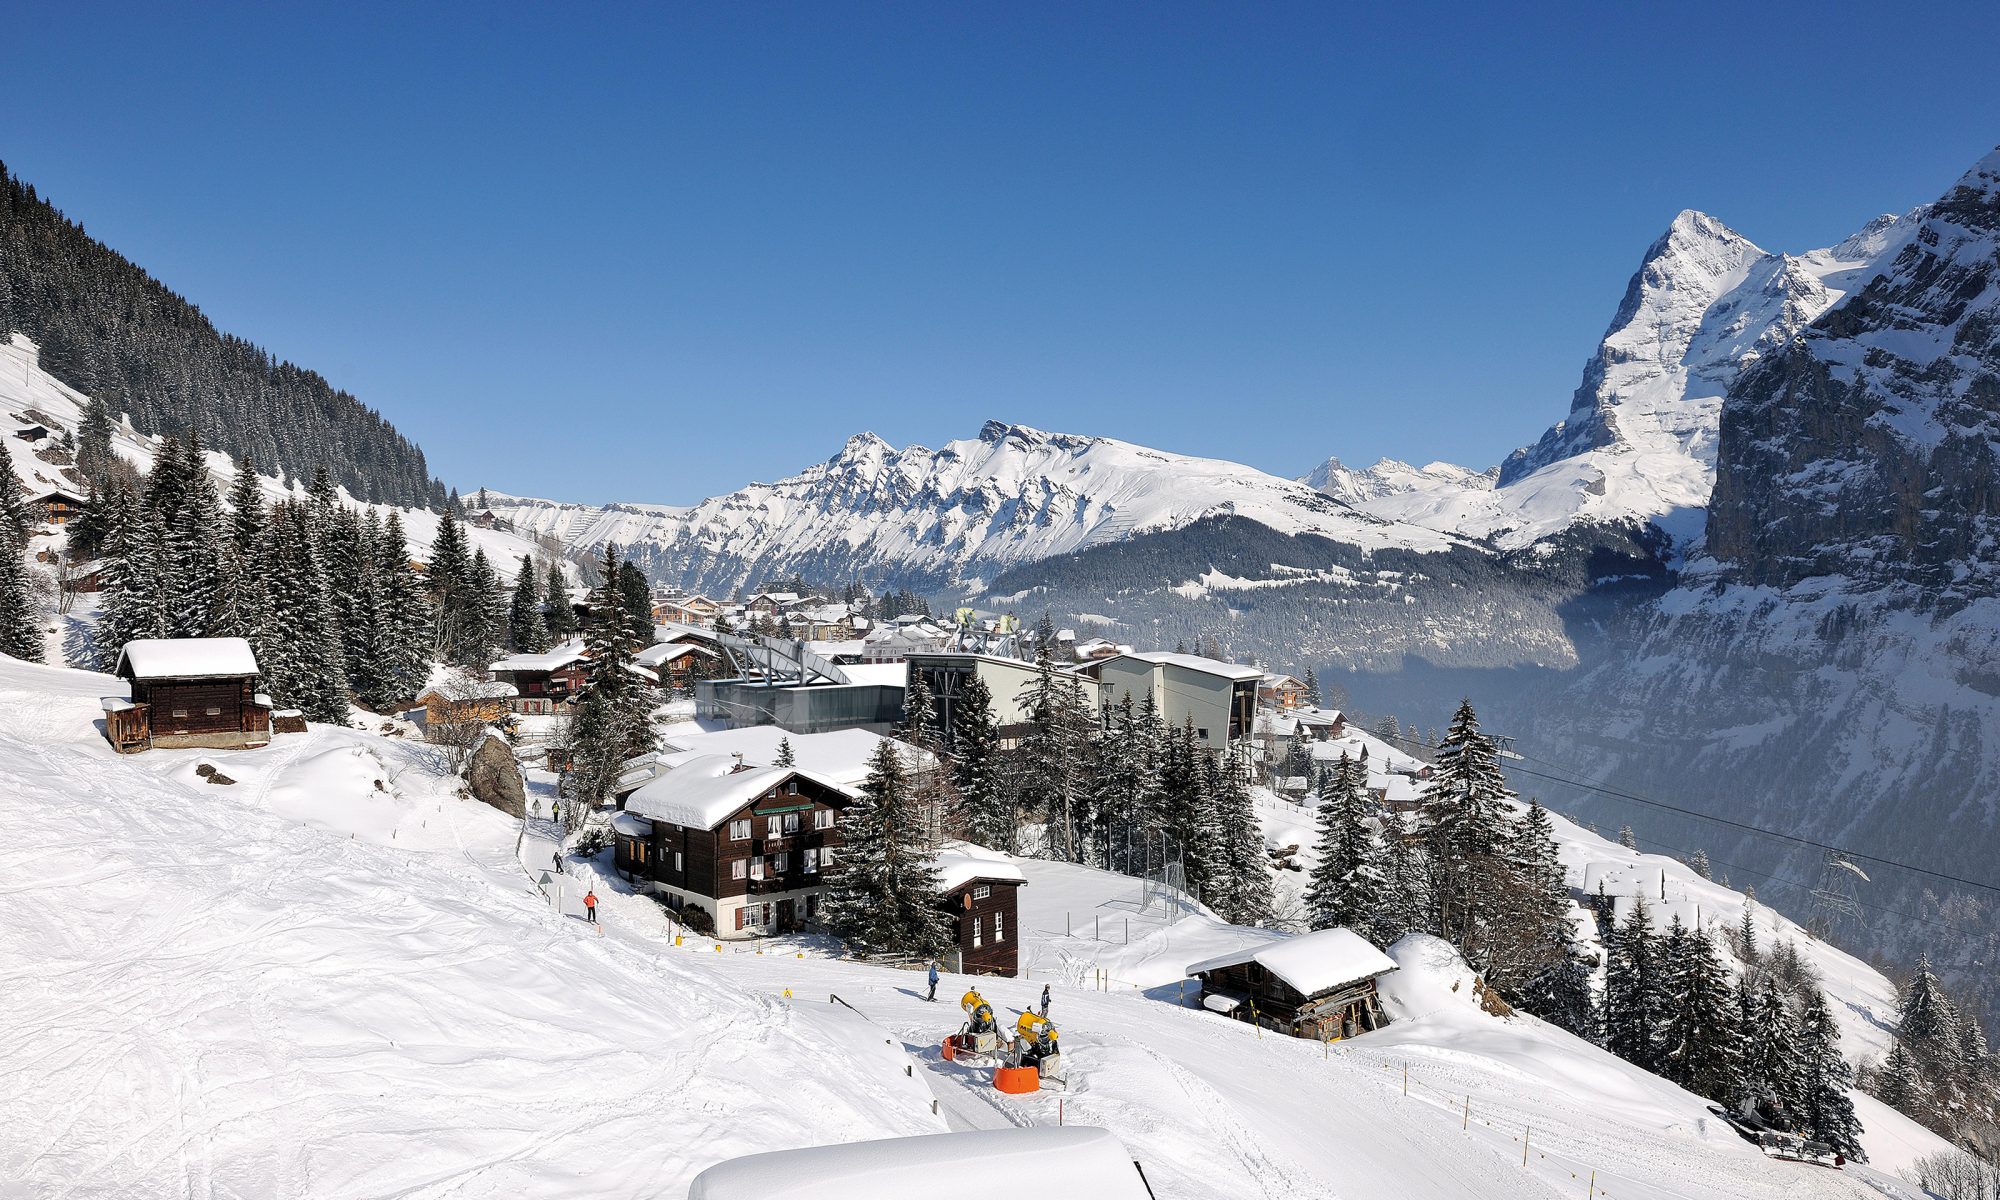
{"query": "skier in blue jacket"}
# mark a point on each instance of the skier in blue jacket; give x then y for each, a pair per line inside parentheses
(934, 978)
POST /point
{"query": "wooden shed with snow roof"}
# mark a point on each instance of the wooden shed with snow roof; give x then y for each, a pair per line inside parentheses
(980, 889)
(188, 692)
(1318, 985)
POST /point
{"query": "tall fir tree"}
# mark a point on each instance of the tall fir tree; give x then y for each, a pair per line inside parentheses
(298, 648)
(986, 811)
(20, 617)
(1312, 688)
(1467, 834)
(1246, 895)
(561, 618)
(1052, 763)
(527, 633)
(1347, 885)
(614, 718)
(406, 614)
(1825, 1111)
(882, 893)
(636, 594)
(1636, 999)
(1700, 1043)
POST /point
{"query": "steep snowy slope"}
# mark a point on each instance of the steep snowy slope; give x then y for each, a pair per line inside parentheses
(290, 987)
(1012, 495)
(1639, 442)
(332, 977)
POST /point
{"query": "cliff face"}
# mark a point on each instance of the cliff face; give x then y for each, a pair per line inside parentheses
(1867, 448)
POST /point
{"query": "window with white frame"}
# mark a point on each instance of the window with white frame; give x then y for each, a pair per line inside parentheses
(811, 863)
(999, 928)
(823, 818)
(826, 856)
(739, 831)
(774, 827)
(981, 891)
(791, 822)
(753, 915)
(739, 869)
(779, 862)
(976, 940)
(756, 868)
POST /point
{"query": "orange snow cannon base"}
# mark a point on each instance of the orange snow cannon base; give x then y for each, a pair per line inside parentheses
(1017, 1081)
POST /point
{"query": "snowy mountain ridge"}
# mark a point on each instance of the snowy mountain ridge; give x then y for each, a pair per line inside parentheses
(1012, 495)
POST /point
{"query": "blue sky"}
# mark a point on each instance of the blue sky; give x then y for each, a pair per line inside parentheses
(657, 252)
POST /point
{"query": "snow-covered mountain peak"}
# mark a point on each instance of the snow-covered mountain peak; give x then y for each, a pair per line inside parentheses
(1639, 442)
(1390, 477)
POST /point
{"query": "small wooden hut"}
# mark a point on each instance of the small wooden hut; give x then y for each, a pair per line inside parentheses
(1318, 985)
(980, 889)
(188, 692)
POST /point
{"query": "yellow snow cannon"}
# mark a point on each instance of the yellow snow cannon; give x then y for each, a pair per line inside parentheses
(1037, 1045)
(980, 1034)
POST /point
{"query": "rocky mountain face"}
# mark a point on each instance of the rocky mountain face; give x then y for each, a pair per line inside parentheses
(1831, 663)
(1867, 447)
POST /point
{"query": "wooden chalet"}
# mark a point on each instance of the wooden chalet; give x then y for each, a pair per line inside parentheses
(32, 433)
(543, 681)
(749, 845)
(58, 506)
(1281, 691)
(676, 664)
(187, 692)
(688, 610)
(455, 708)
(1318, 985)
(981, 892)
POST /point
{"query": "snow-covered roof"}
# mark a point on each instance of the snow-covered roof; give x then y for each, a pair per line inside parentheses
(116, 704)
(959, 863)
(1320, 961)
(665, 652)
(977, 1164)
(186, 658)
(631, 825)
(704, 791)
(469, 689)
(548, 660)
(877, 674)
(840, 755)
(1195, 662)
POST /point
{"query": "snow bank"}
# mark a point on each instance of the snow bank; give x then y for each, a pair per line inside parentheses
(987, 1164)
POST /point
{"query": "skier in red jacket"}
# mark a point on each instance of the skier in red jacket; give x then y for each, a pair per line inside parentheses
(590, 906)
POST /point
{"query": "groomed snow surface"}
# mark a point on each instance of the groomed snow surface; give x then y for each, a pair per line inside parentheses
(332, 977)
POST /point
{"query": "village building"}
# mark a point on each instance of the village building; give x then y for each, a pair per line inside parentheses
(455, 709)
(894, 641)
(187, 692)
(1009, 681)
(697, 611)
(981, 890)
(543, 681)
(1218, 698)
(1318, 985)
(1281, 692)
(749, 846)
(676, 664)
(57, 506)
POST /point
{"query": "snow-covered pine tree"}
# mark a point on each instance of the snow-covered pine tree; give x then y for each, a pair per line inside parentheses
(1636, 999)
(1246, 896)
(1467, 831)
(1825, 1113)
(1700, 1044)
(1930, 1025)
(1119, 789)
(1406, 904)
(133, 602)
(454, 605)
(527, 633)
(1627, 838)
(786, 756)
(882, 892)
(1553, 969)
(488, 622)
(636, 595)
(406, 614)
(1772, 1062)
(1183, 807)
(1699, 864)
(1312, 687)
(1898, 1083)
(561, 616)
(298, 649)
(614, 718)
(93, 442)
(919, 726)
(1346, 885)
(1051, 761)
(246, 509)
(20, 616)
(986, 810)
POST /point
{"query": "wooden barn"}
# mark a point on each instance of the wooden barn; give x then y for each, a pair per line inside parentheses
(981, 892)
(1318, 985)
(188, 692)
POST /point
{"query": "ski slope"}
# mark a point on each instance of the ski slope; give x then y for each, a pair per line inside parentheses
(332, 977)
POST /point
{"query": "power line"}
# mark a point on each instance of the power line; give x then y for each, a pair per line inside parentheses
(1748, 828)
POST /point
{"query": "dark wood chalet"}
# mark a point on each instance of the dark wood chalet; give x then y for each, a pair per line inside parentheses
(543, 681)
(749, 845)
(981, 890)
(188, 692)
(58, 507)
(1318, 985)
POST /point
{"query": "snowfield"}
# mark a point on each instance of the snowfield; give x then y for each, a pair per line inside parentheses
(332, 977)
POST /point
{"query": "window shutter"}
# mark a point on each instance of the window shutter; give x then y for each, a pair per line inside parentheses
(739, 918)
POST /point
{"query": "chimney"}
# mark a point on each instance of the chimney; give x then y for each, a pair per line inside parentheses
(740, 765)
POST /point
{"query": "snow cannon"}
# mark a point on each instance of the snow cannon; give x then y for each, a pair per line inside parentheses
(1037, 1045)
(980, 1034)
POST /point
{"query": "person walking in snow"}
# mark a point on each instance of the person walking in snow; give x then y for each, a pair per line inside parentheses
(934, 978)
(1045, 1002)
(557, 857)
(590, 906)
